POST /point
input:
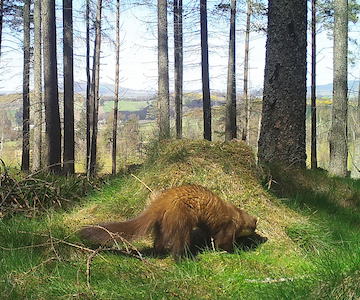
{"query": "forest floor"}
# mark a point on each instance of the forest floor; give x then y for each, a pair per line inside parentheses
(309, 224)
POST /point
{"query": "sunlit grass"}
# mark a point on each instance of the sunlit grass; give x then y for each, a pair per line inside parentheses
(311, 222)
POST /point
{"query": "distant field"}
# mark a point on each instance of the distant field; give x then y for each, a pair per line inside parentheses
(126, 105)
(4, 99)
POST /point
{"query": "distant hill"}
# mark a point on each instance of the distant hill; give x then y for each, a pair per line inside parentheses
(107, 89)
(325, 90)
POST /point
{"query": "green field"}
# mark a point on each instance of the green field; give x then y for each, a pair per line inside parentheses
(125, 105)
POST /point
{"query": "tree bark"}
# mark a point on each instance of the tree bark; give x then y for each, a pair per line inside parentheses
(356, 158)
(282, 136)
(69, 142)
(51, 97)
(205, 70)
(25, 160)
(313, 86)
(246, 128)
(163, 72)
(339, 129)
(95, 90)
(178, 68)
(116, 92)
(38, 103)
(230, 118)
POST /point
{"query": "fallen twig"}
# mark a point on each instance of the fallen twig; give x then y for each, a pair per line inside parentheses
(138, 179)
(88, 265)
(25, 247)
(41, 264)
(114, 237)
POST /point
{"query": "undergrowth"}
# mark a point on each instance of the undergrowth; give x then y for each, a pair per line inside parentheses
(310, 222)
(37, 192)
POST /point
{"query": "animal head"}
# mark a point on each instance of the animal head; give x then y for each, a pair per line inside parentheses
(246, 224)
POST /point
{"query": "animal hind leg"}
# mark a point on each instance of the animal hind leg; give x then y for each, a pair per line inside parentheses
(180, 244)
(177, 225)
(159, 242)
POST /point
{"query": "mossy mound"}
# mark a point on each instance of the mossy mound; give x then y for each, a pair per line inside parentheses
(229, 169)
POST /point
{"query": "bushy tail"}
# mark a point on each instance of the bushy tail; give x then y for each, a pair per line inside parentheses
(108, 232)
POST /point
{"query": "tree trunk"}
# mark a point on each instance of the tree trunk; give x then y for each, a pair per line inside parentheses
(356, 158)
(51, 97)
(338, 132)
(230, 119)
(95, 90)
(69, 142)
(38, 106)
(1, 21)
(178, 62)
(163, 72)
(25, 160)
(88, 84)
(116, 92)
(205, 70)
(313, 86)
(282, 136)
(2, 140)
(246, 131)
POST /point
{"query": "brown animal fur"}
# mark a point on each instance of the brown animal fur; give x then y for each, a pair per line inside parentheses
(173, 214)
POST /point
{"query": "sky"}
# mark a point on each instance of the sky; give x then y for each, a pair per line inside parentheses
(138, 55)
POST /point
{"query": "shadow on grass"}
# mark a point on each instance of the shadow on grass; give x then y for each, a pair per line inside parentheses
(251, 242)
(201, 243)
(327, 200)
(308, 201)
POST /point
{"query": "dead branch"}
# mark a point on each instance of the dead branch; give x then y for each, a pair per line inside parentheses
(25, 247)
(41, 264)
(138, 179)
(114, 237)
(88, 265)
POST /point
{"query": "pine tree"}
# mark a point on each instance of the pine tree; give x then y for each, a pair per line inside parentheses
(163, 72)
(38, 103)
(282, 134)
(178, 64)
(313, 86)
(95, 85)
(51, 96)
(205, 70)
(25, 159)
(116, 92)
(246, 131)
(69, 141)
(230, 119)
(339, 129)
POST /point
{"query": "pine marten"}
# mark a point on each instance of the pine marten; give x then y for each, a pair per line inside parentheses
(171, 217)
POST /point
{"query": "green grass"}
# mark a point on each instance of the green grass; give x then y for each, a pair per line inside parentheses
(311, 222)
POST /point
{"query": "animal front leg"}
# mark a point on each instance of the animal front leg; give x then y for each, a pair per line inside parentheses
(224, 239)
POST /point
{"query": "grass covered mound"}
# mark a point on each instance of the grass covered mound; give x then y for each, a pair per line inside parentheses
(312, 251)
(228, 169)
